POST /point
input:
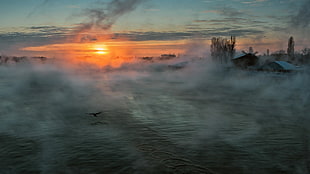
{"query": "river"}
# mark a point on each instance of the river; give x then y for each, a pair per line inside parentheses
(184, 121)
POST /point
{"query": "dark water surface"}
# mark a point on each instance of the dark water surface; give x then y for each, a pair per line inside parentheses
(231, 122)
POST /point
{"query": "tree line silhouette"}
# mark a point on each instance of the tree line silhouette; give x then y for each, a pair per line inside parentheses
(223, 50)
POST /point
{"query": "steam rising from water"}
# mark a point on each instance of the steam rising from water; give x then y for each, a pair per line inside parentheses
(153, 119)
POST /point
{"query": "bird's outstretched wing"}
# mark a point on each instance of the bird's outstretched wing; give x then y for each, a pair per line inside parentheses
(94, 113)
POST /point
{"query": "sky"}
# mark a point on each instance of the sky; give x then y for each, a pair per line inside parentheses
(148, 27)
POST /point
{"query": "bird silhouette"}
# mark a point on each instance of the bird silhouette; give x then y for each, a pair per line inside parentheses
(95, 114)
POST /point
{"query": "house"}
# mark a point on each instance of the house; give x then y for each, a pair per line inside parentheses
(279, 66)
(245, 60)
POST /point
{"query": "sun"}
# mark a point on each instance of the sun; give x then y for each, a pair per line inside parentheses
(100, 49)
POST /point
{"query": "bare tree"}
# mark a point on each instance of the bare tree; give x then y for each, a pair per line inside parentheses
(279, 55)
(305, 55)
(222, 49)
(305, 52)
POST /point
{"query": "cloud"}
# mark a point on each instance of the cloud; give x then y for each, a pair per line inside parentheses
(152, 10)
(230, 11)
(226, 11)
(36, 32)
(230, 25)
(145, 36)
(105, 15)
(12, 42)
(50, 30)
(41, 43)
(301, 19)
(233, 20)
(193, 32)
(211, 11)
(254, 2)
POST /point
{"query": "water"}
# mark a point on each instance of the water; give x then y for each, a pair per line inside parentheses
(189, 121)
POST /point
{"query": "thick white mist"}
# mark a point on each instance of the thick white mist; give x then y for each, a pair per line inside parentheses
(200, 108)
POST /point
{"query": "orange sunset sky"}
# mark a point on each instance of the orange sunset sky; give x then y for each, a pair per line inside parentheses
(133, 28)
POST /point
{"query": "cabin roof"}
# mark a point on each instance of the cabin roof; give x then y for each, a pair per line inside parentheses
(241, 55)
(285, 65)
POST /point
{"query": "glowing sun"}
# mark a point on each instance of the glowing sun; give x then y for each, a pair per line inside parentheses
(101, 50)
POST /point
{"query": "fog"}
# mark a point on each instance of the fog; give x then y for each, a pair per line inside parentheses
(203, 118)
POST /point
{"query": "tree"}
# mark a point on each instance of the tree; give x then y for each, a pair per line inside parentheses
(305, 55)
(279, 55)
(222, 49)
(305, 51)
(290, 48)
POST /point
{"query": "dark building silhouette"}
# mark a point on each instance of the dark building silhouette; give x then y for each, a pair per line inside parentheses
(245, 60)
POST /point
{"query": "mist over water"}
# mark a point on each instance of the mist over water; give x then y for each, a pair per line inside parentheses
(200, 119)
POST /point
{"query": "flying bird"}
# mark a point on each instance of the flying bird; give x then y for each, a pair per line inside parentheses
(95, 114)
